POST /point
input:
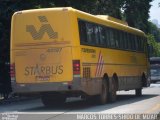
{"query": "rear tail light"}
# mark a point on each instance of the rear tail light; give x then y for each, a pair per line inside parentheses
(76, 67)
(12, 71)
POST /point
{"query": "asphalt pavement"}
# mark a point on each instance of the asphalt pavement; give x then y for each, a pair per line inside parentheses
(127, 106)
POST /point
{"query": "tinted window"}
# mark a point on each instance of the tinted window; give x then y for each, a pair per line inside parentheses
(137, 43)
(82, 32)
(102, 36)
(125, 40)
(112, 41)
(121, 39)
(116, 38)
(90, 33)
(97, 35)
(107, 33)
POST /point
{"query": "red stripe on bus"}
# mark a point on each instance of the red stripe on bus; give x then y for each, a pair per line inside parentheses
(101, 68)
(99, 65)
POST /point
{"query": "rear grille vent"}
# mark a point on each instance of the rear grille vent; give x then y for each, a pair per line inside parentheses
(86, 72)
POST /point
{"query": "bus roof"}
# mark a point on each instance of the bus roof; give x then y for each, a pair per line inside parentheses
(117, 24)
(111, 22)
(112, 19)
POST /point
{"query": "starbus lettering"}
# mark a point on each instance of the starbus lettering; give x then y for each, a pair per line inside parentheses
(43, 70)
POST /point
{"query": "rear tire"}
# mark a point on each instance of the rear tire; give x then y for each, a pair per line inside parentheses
(145, 81)
(113, 94)
(138, 92)
(103, 97)
(50, 100)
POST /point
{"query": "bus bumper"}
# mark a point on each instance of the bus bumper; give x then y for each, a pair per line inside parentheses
(45, 87)
(86, 86)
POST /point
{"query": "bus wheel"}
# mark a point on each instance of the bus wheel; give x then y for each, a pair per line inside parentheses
(113, 95)
(138, 92)
(103, 97)
(52, 100)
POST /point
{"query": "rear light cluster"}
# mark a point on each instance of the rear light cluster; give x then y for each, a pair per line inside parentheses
(12, 71)
(76, 67)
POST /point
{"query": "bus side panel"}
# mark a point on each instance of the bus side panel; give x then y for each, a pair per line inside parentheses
(96, 62)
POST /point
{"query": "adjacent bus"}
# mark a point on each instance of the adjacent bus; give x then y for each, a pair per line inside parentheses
(155, 69)
(64, 52)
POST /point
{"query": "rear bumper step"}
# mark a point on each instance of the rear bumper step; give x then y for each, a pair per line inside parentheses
(78, 84)
(45, 87)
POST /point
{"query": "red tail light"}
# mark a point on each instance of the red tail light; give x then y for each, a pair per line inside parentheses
(12, 71)
(76, 67)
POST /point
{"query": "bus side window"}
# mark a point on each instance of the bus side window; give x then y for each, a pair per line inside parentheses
(139, 44)
(129, 41)
(102, 36)
(125, 41)
(116, 38)
(97, 35)
(90, 34)
(121, 40)
(133, 42)
(136, 42)
(112, 41)
(82, 32)
(142, 44)
(107, 34)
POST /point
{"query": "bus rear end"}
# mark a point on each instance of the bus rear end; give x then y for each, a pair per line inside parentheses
(41, 52)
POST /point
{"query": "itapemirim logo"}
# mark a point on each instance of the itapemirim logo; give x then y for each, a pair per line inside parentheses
(45, 28)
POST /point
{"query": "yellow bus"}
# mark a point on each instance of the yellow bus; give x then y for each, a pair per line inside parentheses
(64, 52)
